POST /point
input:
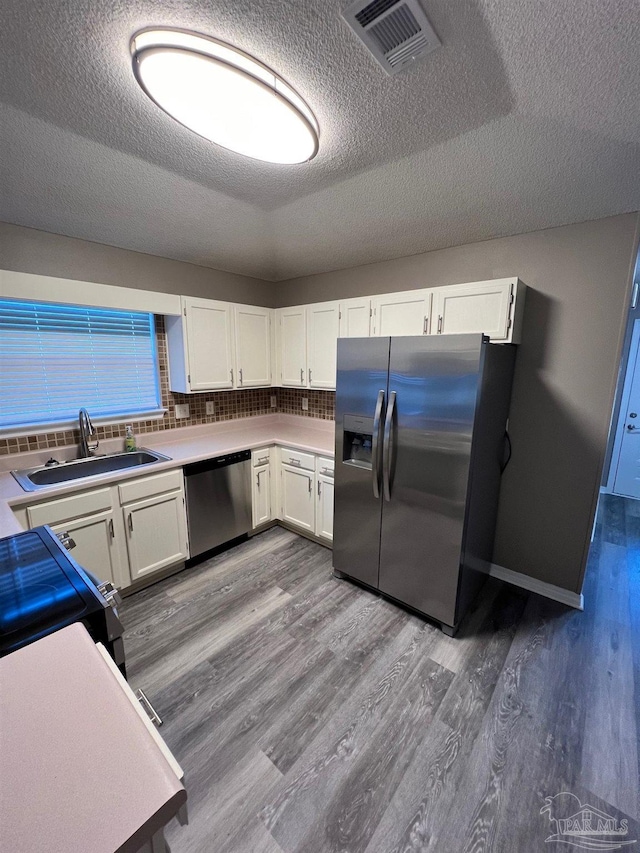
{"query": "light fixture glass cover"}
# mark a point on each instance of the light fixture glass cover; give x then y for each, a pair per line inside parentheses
(224, 95)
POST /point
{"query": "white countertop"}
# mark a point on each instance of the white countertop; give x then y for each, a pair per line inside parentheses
(80, 771)
(185, 445)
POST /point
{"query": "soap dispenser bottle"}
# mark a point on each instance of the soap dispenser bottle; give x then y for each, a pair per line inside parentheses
(129, 439)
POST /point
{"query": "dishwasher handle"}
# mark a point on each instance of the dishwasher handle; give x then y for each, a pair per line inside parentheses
(217, 462)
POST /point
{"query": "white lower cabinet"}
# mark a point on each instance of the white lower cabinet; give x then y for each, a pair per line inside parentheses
(261, 506)
(156, 533)
(297, 491)
(96, 546)
(324, 507)
(262, 487)
(324, 498)
(305, 491)
(125, 531)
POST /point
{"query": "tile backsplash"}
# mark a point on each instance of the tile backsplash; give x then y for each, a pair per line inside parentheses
(227, 406)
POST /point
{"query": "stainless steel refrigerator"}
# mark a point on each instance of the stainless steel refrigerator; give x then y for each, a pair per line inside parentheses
(420, 445)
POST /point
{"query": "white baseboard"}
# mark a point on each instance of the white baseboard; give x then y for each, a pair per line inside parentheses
(548, 590)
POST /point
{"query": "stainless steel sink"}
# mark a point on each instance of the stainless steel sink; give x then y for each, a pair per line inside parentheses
(32, 479)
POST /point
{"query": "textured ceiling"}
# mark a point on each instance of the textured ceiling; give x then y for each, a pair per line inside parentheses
(527, 117)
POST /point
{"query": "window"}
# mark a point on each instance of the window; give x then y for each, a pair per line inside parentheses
(56, 358)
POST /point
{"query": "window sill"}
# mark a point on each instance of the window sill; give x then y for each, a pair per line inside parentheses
(65, 426)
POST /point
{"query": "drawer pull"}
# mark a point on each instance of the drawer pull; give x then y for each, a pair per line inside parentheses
(294, 461)
(149, 710)
(263, 460)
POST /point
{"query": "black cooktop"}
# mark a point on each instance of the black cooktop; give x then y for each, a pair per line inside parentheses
(42, 589)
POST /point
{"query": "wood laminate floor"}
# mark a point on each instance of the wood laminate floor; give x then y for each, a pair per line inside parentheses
(310, 715)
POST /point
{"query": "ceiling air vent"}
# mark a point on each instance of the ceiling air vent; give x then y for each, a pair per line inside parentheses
(396, 32)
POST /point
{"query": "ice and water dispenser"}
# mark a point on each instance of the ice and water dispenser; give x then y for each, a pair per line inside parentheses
(358, 436)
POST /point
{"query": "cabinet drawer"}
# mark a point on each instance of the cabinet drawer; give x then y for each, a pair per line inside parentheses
(298, 459)
(73, 506)
(135, 490)
(261, 457)
(325, 466)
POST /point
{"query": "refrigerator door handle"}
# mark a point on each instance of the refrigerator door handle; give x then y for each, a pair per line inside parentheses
(375, 445)
(386, 447)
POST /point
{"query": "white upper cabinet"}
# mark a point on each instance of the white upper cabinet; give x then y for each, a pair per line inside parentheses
(200, 344)
(491, 307)
(292, 324)
(355, 316)
(406, 313)
(253, 346)
(323, 326)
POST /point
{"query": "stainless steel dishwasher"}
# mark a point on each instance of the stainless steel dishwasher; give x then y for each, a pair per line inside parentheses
(218, 500)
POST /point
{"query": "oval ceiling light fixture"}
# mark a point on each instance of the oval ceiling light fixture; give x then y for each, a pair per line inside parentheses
(224, 95)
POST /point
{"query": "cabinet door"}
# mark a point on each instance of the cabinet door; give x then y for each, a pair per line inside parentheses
(253, 346)
(209, 335)
(261, 494)
(96, 547)
(293, 349)
(355, 316)
(482, 306)
(323, 326)
(298, 497)
(324, 507)
(156, 533)
(405, 313)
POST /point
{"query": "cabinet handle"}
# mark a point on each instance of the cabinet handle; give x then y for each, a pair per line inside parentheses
(148, 708)
(111, 533)
(319, 488)
(425, 325)
(439, 324)
(310, 485)
(263, 460)
(309, 376)
(301, 376)
(231, 373)
(130, 522)
(294, 462)
(240, 372)
(258, 479)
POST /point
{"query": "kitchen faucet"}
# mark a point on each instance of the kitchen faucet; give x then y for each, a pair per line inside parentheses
(87, 431)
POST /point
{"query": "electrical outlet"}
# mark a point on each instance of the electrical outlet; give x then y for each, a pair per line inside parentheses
(305, 404)
(182, 411)
(210, 407)
(274, 401)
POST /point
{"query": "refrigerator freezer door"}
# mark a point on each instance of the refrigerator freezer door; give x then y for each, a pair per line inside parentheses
(361, 391)
(436, 383)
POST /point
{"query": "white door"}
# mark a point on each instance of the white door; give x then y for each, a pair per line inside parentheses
(405, 313)
(323, 326)
(626, 450)
(156, 533)
(483, 306)
(298, 498)
(324, 507)
(96, 547)
(253, 346)
(293, 346)
(209, 332)
(355, 315)
(261, 495)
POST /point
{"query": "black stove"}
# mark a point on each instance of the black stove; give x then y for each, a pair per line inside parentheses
(43, 589)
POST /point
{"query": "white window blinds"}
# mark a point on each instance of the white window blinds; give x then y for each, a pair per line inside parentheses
(56, 358)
